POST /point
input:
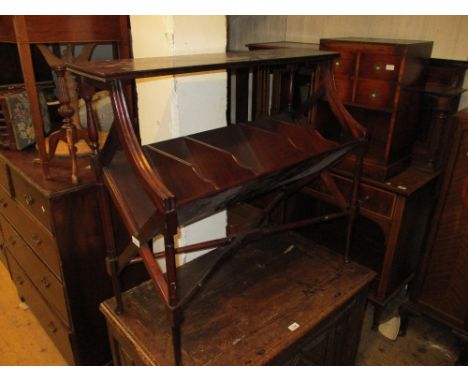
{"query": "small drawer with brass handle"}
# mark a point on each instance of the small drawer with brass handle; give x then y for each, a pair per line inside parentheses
(345, 64)
(40, 275)
(31, 198)
(379, 66)
(35, 235)
(58, 331)
(375, 93)
(371, 199)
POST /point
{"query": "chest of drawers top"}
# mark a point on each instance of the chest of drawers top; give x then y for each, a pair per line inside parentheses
(22, 180)
(379, 59)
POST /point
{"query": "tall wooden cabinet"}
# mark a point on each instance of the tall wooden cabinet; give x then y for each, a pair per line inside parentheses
(441, 287)
(380, 82)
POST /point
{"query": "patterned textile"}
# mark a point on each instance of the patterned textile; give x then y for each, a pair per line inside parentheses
(21, 119)
(103, 110)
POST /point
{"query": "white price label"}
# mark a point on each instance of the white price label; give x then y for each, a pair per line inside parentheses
(390, 67)
(136, 241)
(293, 326)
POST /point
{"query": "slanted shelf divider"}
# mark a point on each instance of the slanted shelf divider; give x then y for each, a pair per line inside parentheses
(181, 177)
(160, 187)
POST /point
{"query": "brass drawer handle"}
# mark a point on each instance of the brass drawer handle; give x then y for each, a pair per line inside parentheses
(37, 240)
(364, 199)
(374, 95)
(52, 327)
(28, 199)
(337, 63)
(378, 67)
(45, 282)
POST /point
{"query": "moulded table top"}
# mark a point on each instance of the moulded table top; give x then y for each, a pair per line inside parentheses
(369, 40)
(106, 71)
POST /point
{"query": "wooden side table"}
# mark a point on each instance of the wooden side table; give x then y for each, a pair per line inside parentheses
(280, 301)
(389, 235)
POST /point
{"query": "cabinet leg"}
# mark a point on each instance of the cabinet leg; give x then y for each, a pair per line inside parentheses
(378, 311)
(405, 311)
(462, 359)
(404, 315)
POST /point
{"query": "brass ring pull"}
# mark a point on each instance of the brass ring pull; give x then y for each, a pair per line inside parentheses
(28, 199)
(52, 327)
(37, 240)
(374, 95)
(45, 282)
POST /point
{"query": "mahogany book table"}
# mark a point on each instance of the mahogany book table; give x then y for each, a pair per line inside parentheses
(160, 187)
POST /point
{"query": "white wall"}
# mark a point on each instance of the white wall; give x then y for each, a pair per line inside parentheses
(449, 33)
(179, 105)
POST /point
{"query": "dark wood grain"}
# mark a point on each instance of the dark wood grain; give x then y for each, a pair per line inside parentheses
(158, 66)
(242, 318)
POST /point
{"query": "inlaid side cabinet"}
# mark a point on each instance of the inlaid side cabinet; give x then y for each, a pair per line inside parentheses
(441, 287)
(380, 81)
(51, 242)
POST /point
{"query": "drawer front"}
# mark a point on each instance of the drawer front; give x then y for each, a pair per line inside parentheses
(44, 281)
(35, 235)
(371, 199)
(34, 201)
(345, 89)
(380, 67)
(345, 64)
(3, 257)
(4, 177)
(375, 93)
(58, 333)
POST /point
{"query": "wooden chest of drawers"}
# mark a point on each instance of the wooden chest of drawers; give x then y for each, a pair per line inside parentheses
(379, 80)
(51, 241)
